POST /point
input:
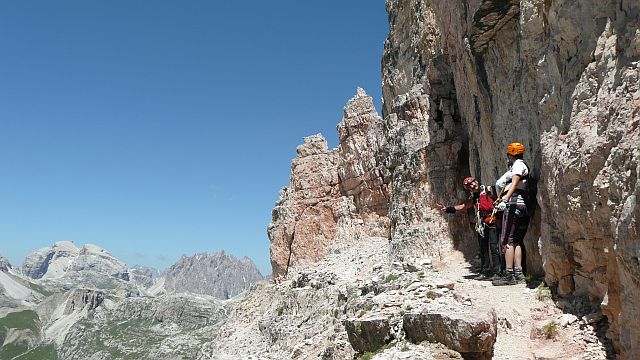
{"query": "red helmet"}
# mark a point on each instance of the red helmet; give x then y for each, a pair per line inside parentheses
(515, 148)
(471, 184)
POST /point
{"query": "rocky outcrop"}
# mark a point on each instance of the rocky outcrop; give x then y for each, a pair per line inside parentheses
(83, 299)
(336, 195)
(4, 264)
(219, 275)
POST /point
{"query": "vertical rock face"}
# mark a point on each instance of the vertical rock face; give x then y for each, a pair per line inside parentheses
(425, 134)
(339, 194)
(83, 299)
(362, 176)
(562, 78)
(219, 275)
(462, 80)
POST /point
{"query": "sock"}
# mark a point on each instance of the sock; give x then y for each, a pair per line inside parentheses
(517, 270)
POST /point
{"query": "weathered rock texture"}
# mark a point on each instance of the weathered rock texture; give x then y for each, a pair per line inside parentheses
(83, 299)
(461, 80)
(469, 334)
(339, 194)
(218, 275)
(561, 77)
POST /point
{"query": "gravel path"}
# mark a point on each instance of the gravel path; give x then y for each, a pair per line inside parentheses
(526, 318)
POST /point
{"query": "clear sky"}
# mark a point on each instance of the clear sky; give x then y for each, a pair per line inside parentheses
(161, 128)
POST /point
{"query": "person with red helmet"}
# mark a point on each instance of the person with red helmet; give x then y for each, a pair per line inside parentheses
(515, 217)
(481, 200)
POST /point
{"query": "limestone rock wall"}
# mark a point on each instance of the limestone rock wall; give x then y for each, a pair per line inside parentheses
(562, 77)
(335, 195)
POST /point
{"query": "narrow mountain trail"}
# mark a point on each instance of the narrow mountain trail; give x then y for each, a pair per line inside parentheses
(530, 325)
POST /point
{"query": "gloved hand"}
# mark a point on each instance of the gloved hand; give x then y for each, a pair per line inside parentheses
(502, 206)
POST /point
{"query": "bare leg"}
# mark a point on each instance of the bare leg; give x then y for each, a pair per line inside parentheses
(517, 256)
(509, 256)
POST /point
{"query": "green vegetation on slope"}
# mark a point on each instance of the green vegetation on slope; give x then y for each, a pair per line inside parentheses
(42, 352)
(20, 320)
(26, 321)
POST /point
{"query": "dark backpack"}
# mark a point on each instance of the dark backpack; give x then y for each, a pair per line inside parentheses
(532, 189)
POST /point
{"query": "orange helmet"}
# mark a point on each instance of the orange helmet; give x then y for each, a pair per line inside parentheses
(515, 148)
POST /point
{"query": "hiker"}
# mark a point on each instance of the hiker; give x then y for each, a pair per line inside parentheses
(481, 200)
(515, 183)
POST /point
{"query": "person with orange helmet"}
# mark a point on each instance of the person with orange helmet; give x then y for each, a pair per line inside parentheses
(481, 200)
(515, 183)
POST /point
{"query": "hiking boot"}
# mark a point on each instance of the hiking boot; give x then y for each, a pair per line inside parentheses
(508, 279)
(481, 277)
(520, 279)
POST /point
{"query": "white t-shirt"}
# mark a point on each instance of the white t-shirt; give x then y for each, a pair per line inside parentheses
(518, 168)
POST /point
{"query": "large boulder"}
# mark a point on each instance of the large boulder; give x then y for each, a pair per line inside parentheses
(471, 334)
(368, 334)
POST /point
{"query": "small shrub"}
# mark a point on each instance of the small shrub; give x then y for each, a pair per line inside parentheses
(432, 294)
(358, 327)
(530, 278)
(390, 278)
(408, 308)
(543, 292)
(550, 329)
(421, 274)
(280, 310)
(368, 307)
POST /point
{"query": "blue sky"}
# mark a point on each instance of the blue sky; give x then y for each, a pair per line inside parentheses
(161, 128)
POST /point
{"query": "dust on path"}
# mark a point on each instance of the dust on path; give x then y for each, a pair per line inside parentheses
(523, 314)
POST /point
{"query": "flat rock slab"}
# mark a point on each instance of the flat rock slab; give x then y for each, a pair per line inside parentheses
(466, 333)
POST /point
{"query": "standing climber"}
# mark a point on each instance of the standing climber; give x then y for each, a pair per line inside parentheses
(481, 200)
(515, 183)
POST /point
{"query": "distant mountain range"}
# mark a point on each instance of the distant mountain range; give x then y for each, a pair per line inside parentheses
(45, 304)
(65, 265)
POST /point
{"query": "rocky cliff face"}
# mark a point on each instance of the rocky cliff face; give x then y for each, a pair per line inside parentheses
(461, 80)
(218, 275)
(337, 195)
(562, 78)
